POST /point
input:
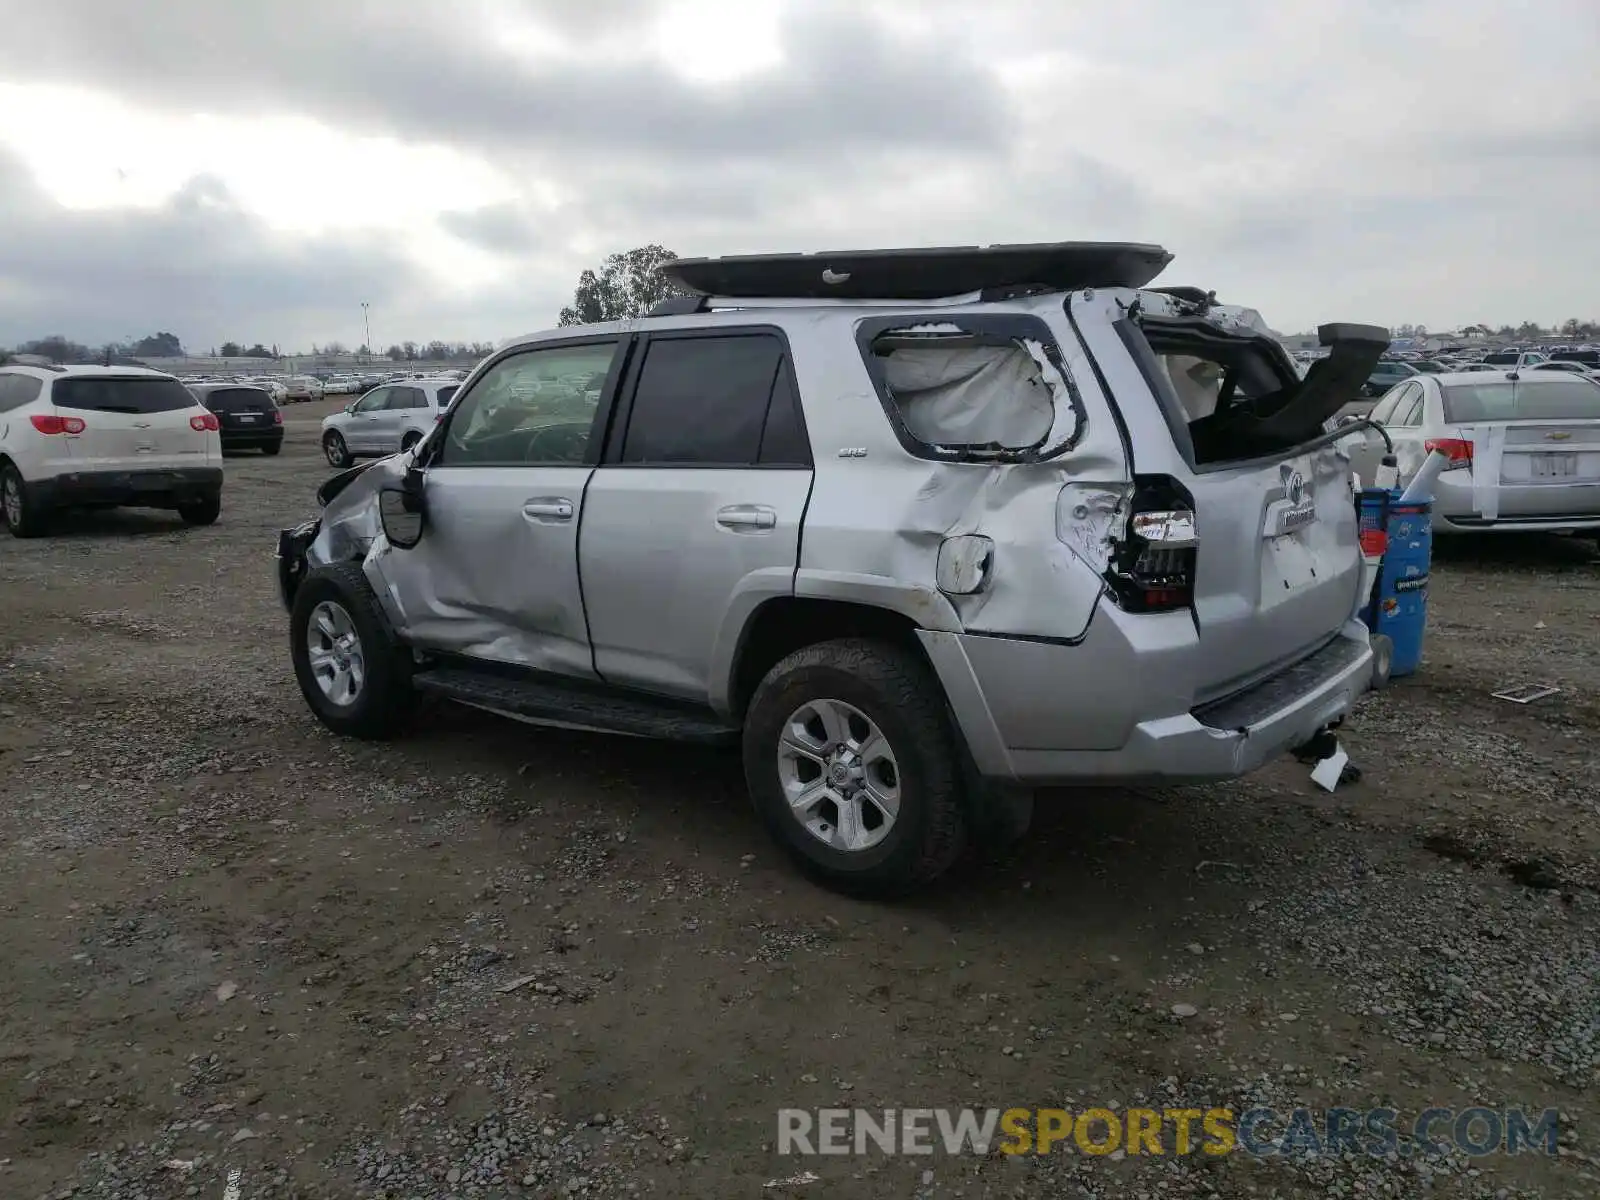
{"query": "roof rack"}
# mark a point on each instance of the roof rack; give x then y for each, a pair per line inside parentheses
(678, 306)
(930, 273)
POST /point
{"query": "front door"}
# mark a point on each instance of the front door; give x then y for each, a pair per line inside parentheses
(495, 575)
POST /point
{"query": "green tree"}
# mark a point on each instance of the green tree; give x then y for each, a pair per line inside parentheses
(158, 345)
(259, 351)
(629, 284)
(231, 350)
(394, 354)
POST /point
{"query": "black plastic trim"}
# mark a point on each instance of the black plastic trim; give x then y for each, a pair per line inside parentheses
(1105, 386)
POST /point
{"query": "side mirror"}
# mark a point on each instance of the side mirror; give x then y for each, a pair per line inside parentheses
(401, 513)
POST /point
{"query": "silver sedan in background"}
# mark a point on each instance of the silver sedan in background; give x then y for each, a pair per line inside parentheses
(1524, 448)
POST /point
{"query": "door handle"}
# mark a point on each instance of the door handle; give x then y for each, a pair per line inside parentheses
(747, 516)
(550, 508)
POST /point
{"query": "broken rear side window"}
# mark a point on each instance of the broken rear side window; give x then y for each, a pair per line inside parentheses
(975, 391)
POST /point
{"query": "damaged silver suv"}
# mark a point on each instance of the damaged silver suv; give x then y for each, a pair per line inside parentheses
(919, 531)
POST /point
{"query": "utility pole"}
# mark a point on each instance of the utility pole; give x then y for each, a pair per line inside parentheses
(366, 328)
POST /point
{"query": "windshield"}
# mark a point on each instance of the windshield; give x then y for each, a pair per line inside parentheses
(1529, 400)
(136, 394)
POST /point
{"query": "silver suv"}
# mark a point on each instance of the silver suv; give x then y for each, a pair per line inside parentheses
(919, 531)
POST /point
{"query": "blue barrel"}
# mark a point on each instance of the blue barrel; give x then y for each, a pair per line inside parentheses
(1398, 607)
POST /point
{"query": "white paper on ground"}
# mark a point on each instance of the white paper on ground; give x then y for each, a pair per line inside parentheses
(1326, 773)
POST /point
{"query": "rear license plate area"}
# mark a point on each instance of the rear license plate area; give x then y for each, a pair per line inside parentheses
(1554, 466)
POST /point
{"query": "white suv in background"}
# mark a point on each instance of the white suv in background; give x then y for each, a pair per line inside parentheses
(104, 437)
(387, 420)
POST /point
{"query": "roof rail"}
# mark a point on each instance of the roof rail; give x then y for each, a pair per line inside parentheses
(713, 303)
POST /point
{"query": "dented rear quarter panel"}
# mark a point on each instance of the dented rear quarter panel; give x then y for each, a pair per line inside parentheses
(878, 514)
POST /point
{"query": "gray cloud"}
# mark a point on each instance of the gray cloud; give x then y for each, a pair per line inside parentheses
(197, 265)
(1370, 160)
(847, 82)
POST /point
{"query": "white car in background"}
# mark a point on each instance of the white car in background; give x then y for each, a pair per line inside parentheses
(272, 387)
(387, 420)
(1523, 448)
(104, 437)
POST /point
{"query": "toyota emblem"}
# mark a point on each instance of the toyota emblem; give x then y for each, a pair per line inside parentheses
(1294, 485)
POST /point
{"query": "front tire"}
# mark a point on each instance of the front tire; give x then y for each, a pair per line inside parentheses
(353, 674)
(337, 452)
(203, 511)
(20, 510)
(852, 765)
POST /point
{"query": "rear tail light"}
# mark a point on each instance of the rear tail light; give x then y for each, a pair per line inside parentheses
(1457, 450)
(437, 417)
(205, 422)
(1152, 568)
(51, 424)
(277, 417)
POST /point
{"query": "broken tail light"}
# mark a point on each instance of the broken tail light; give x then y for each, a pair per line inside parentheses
(1152, 567)
(277, 417)
(1457, 450)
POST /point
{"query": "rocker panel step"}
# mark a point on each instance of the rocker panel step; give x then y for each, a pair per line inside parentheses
(607, 712)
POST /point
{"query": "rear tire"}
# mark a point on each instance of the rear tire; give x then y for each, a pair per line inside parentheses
(203, 511)
(382, 699)
(20, 510)
(338, 454)
(884, 701)
(272, 449)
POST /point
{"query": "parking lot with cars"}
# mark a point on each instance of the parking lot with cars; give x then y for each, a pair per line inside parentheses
(485, 959)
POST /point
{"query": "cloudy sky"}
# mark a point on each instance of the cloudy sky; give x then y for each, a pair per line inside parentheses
(254, 171)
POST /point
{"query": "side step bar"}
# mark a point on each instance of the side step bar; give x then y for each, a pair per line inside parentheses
(579, 708)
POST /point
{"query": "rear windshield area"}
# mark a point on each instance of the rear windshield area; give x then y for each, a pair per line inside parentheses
(237, 400)
(446, 392)
(973, 392)
(1526, 400)
(121, 395)
(1229, 390)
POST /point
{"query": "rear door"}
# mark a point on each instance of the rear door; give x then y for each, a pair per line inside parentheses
(132, 422)
(1278, 564)
(395, 417)
(693, 518)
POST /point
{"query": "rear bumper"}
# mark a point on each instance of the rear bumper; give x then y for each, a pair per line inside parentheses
(267, 435)
(1516, 508)
(1074, 699)
(148, 489)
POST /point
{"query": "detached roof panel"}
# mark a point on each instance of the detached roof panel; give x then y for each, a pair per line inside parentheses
(922, 273)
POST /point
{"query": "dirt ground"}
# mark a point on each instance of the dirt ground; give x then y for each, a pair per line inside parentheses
(489, 960)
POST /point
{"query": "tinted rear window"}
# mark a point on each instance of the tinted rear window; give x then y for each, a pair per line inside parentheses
(446, 392)
(1530, 400)
(111, 394)
(1502, 358)
(237, 400)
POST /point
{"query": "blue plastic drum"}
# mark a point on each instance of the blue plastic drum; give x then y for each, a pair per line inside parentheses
(1399, 604)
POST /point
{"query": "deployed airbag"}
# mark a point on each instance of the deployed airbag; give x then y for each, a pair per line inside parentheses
(970, 395)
